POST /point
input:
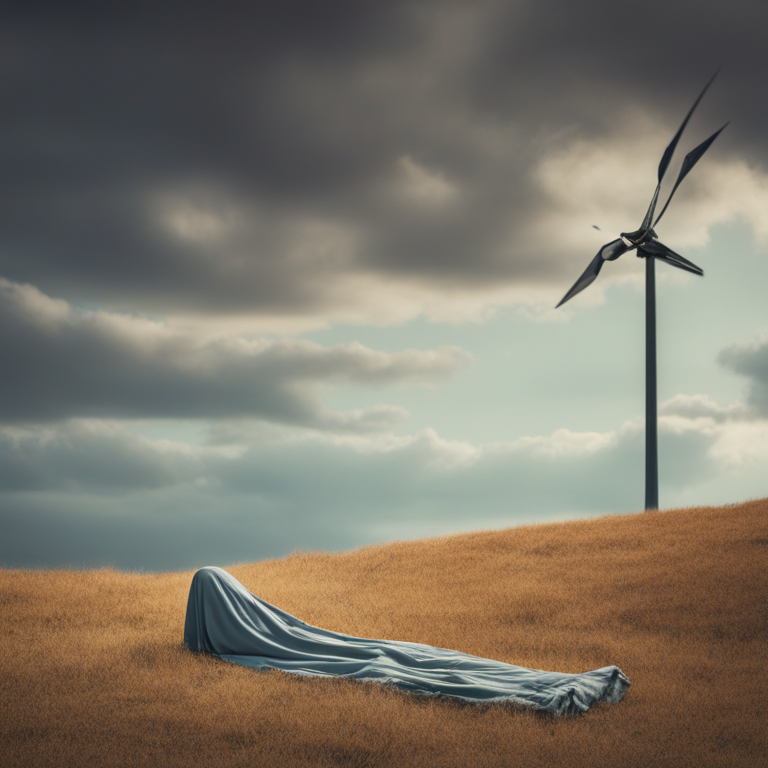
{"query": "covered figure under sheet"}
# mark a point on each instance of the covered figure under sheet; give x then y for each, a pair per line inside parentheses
(226, 620)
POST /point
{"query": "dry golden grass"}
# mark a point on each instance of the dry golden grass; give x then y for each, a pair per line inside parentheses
(93, 671)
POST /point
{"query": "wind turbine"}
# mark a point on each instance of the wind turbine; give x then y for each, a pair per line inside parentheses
(645, 241)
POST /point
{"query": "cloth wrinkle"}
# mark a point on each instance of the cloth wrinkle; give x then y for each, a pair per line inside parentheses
(224, 619)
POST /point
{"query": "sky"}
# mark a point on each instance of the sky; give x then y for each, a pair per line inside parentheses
(282, 276)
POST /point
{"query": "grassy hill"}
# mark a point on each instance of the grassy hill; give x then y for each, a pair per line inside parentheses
(93, 671)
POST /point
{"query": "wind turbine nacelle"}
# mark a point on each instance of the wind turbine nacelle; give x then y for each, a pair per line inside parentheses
(613, 250)
(638, 237)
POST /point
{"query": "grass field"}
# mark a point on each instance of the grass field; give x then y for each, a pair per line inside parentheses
(93, 671)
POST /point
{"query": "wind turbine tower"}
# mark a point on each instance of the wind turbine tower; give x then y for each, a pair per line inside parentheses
(644, 241)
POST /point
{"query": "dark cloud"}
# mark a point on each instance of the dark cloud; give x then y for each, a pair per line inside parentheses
(65, 363)
(750, 361)
(93, 457)
(174, 157)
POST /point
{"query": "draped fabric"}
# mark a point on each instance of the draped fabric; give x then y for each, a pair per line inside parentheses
(226, 620)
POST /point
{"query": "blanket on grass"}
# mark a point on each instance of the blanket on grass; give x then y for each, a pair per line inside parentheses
(226, 620)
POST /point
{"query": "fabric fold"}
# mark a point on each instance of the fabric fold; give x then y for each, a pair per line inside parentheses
(226, 620)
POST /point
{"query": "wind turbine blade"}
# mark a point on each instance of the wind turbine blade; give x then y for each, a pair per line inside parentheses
(693, 270)
(667, 157)
(691, 159)
(646, 225)
(670, 150)
(660, 251)
(586, 279)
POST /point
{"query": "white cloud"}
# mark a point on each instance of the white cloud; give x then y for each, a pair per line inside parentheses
(741, 446)
(702, 407)
(564, 443)
(609, 182)
(26, 301)
(260, 492)
(422, 186)
(76, 452)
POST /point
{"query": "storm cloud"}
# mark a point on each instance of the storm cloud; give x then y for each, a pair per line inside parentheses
(750, 360)
(295, 161)
(63, 363)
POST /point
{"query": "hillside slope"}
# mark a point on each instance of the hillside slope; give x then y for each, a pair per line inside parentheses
(93, 671)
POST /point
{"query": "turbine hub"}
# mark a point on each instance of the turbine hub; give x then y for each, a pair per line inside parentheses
(638, 237)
